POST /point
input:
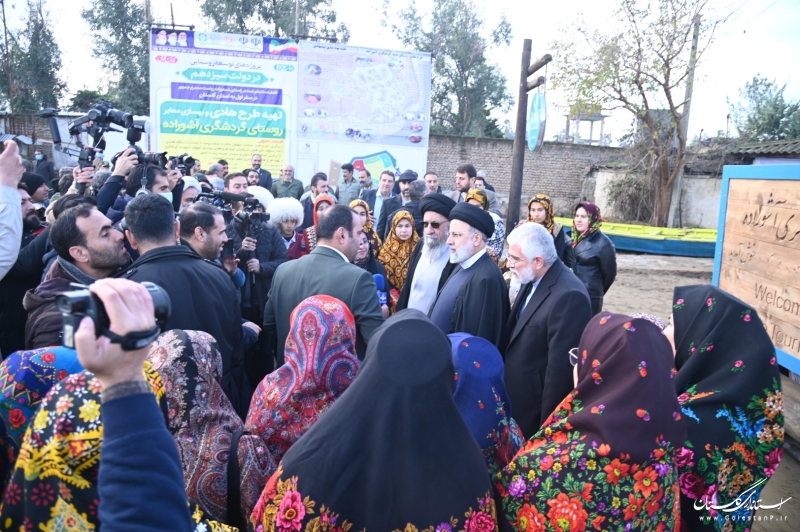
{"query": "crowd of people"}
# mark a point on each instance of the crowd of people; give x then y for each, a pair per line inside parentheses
(373, 355)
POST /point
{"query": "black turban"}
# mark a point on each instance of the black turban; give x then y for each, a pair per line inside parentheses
(32, 181)
(437, 203)
(474, 216)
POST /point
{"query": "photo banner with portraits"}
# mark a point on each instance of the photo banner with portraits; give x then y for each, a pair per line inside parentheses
(314, 105)
(223, 96)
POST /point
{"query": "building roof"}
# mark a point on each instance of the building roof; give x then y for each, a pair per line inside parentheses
(777, 147)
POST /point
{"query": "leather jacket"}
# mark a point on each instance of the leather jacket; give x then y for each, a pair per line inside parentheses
(596, 264)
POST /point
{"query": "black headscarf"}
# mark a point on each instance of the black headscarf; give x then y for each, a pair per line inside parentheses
(393, 452)
(729, 390)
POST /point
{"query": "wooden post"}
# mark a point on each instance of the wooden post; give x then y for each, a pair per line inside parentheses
(518, 156)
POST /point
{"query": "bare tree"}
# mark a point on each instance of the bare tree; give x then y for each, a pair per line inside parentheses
(641, 66)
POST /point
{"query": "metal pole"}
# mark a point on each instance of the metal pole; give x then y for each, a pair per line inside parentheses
(518, 156)
(296, 17)
(8, 64)
(675, 203)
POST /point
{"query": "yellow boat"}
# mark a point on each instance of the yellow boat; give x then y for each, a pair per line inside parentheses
(658, 240)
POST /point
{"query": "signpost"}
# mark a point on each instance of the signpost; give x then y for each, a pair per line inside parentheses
(518, 157)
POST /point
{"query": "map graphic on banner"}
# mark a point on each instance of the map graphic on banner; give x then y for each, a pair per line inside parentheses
(364, 106)
(223, 96)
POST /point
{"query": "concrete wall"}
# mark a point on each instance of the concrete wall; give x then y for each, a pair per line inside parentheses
(699, 200)
(558, 169)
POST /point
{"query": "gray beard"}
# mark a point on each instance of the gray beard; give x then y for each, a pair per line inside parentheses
(434, 250)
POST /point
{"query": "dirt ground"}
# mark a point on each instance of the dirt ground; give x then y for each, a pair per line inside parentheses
(644, 284)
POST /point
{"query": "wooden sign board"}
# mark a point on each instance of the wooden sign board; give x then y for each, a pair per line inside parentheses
(758, 249)
(333, 175)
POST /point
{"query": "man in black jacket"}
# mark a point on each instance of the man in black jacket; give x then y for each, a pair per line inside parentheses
(202, 293)
(23, 276)
(430, 265)
(547, 320)
(395, 203)
(260, 250)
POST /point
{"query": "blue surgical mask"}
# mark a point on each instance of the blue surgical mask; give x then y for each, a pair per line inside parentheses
(167, 195)
(38, 156)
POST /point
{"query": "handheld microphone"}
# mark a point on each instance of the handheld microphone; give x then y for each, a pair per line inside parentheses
(379, 282)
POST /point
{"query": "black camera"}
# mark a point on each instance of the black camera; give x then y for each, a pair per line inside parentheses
(80, 303)
(145, 157)
(104, 114)
(184, 163)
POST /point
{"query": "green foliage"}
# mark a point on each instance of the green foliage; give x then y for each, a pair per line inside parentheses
(275, 17)
(35, 61)
(465, 87)
(85, 98)
(121, 41)
(762, 113)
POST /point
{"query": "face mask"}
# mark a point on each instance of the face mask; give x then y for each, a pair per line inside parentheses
(167, 195)
(39, 157)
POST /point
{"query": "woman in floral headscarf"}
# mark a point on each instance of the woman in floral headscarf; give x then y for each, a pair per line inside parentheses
(362, 208)
(320, 365)
(540, 211)
(594, 253)
(307, 240)
(54, 483)
(605, 458)
(206, 427)
(481, 397)
(396, 253)
(729, 389)
(25, 379)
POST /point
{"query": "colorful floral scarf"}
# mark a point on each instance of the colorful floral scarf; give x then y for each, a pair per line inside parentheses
(320, 365)
(595, 222)
(372, 236)
(395, 254)
(482, 399)
(547, 203)
(495, 244)
(25, 379)
(203, 422)
(480, 195)
(54, 483)
(393, 453)
(604, 459)
(321, 199)
(729, 390)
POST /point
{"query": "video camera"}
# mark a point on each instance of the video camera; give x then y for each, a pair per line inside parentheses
(99, 120)
(80, 303)
(184, 163)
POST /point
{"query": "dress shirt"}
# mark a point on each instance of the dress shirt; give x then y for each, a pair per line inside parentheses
(10, 228)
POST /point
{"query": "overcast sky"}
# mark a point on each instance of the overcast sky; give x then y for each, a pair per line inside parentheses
(761, 37)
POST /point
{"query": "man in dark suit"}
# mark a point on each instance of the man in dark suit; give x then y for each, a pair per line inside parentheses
(327, 270)
(547, 320)
(376, 197)
(264, 176)
(394, 204)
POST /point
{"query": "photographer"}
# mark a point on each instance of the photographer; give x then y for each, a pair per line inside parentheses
(88, 249)
(259, 247)
(150, 178)
(140, 486)
(203, 297)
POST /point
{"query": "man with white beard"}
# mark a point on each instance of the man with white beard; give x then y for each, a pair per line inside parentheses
(473, 300)
(429, 267)
(546, 322)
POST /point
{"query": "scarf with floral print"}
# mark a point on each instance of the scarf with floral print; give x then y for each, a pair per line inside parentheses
(595, 222)
(729, 389)
(393, 453)
(372, 236)
(605, 458)
(547, 203)
(396, 254)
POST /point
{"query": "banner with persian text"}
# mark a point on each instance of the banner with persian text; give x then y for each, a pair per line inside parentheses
(223, 96)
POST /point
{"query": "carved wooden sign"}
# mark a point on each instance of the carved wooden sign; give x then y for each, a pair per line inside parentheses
(758, 249)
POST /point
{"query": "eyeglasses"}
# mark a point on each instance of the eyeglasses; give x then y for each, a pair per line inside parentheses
(435, 225)
(573, 356)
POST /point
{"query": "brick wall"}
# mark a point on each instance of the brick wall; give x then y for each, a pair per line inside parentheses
(558, 169)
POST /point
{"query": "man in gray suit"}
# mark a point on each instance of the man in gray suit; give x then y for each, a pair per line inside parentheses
(327, 270)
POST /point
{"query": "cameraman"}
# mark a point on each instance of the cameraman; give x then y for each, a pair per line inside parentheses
(259, 247)
(203, 297)
(150, 178)
(140, 486)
